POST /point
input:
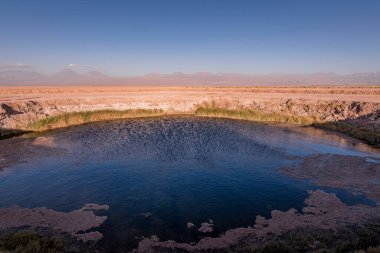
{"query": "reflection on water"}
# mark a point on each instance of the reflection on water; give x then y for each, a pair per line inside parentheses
(159, 174)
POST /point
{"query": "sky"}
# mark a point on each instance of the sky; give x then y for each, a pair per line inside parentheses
(134, 37)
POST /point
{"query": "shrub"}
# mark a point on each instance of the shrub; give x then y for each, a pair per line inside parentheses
(31, 242)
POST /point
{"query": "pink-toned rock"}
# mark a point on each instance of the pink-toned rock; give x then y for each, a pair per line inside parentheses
(206, 227)
(73, 222)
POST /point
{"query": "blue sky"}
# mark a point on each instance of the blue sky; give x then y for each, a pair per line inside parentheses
(143, 36)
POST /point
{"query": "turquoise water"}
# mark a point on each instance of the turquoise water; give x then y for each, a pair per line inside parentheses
(159, 174)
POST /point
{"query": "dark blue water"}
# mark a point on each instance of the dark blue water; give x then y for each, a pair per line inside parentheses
(159, 174)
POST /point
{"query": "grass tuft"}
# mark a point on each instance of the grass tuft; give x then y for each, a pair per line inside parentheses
(253, 115)
(76, 118)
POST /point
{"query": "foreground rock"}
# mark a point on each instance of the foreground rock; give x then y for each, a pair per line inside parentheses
(324, 213)
(74, 223)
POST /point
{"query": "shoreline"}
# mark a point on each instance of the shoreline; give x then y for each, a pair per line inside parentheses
(64, 120)
(354, 111)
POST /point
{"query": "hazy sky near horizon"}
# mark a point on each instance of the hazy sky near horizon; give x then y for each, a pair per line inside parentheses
(142, 36)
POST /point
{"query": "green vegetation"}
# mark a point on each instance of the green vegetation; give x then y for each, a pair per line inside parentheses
(253, 115)
(369, 136)
(31, 242)
(76, 118)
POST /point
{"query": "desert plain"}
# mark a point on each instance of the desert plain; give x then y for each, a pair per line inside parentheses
(23, 104)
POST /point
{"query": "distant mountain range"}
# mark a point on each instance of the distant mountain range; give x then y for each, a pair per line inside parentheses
(70, 77)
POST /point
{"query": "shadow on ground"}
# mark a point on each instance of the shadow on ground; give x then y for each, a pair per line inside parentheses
(365, 128)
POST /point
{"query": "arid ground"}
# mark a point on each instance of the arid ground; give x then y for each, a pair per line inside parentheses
(325, 93)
